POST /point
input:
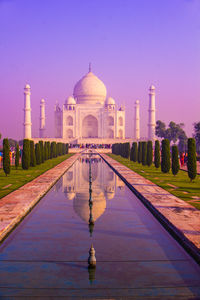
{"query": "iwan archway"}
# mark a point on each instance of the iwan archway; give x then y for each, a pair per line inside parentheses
(90, 127)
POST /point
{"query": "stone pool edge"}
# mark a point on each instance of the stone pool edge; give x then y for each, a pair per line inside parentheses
(177, 224)
(16, 205)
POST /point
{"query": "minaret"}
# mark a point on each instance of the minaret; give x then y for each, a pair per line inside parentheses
(152, 114)
(137, 120)
(42, 118)
(27, 112)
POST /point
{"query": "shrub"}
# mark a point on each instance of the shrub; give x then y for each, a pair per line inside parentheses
(49, 149)
(140, 152)
(165, 156)
(157, 154)
(135, 151)
(67, 148)
(45, 151)
(192, 160)
(26, 154)
(6, 157)
(32, 154)
(17, 156)
(41, 151)
(38, 153)
(53, 149)
(144, 153)
(149, 153)
(175, 160)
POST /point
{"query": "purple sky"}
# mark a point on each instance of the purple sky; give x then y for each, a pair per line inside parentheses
(131, 44)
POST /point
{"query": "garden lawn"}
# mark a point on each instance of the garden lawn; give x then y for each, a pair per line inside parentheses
(19, 177)
(179, 185)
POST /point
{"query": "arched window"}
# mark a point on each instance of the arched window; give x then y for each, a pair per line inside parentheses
(120, 121)
(110, 134)
(110, 121)
(69, 121)
(120, 134)
(90, 127)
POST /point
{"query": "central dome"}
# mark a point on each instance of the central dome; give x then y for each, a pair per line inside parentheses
(90, 90)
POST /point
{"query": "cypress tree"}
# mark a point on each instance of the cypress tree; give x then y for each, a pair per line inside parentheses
(45, 151)
(144, 153)
(53, 149)
(6, 157)
(32, 154)
(63, 149)
(17, 156)
(41, 151)
(127, 150)
(38, 153)
(165, 156)
(131, 153)
(135, 151)
(157, 154)
(67, 148)
(149, 153)
(26, 154)
(140, 152)
(49, 149)
(192, 160)
(175, 160)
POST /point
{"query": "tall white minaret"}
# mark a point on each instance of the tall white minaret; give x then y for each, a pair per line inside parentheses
(42, 118)
(137, 120)
(27, 112)
(152, 114)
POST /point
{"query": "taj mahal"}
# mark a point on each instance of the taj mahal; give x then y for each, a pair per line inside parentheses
(89, 116)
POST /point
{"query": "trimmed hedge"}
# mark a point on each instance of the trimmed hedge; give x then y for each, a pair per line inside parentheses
(17, 154)
(157, 154)
(149, 153)
(192, 160)
(26, 154)
(6, 157)
(165, 156)
(32, 154)
(38, 153)
(144, 153)
(175, 160)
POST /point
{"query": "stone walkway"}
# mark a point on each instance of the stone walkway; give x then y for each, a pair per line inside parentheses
(180, 218)
(17, 204)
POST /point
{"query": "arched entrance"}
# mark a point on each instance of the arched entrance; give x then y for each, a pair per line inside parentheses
(90, 127)
(110, 134)
(69, 133)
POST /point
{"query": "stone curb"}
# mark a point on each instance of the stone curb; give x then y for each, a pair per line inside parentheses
(192, 246)
(16, 205)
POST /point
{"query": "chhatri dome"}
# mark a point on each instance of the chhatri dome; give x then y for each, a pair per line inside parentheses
(90, 90)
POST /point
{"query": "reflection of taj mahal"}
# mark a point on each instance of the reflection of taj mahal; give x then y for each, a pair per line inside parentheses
(89, 113)
(104, 185)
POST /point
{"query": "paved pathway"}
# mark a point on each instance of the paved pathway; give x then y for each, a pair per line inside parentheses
(168, 208)
(17, 204)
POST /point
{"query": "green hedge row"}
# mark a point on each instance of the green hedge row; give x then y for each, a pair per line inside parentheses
(142, 152)
(32, 154)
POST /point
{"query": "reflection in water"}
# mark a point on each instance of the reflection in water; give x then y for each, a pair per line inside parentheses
(104, 185)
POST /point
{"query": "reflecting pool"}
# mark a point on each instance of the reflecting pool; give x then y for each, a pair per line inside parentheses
(47, 254)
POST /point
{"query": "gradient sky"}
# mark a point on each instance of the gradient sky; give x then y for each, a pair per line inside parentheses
(130, 43)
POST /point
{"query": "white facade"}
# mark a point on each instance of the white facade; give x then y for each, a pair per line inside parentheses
(152, 114)
(27, 112)
(89, 114)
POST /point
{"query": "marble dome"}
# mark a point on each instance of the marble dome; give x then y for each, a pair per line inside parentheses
(70, 101)
(90, 90)
(110, 101)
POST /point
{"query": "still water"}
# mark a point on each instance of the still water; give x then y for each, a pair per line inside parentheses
(46, 255)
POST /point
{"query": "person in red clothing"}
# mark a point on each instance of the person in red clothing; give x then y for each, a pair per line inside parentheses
(182, 159)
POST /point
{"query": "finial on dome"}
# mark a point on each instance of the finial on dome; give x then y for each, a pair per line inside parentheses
(90, 67)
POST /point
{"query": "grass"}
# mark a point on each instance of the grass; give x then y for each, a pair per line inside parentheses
(179, 185)
(19, 177)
